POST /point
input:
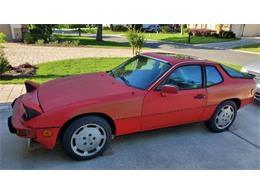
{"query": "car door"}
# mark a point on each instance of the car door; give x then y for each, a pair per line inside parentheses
(173, 109)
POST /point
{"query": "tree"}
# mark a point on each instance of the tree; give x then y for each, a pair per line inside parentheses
(41, 31)
(136, 40)
(182, 29)
(78, 27)
(99, 32)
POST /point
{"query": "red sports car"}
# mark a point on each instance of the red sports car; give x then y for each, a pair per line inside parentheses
(149, 91)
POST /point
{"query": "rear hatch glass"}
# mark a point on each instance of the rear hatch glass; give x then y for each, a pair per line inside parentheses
(236, 74)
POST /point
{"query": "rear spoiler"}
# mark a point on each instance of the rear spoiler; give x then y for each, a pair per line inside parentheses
(30, 86)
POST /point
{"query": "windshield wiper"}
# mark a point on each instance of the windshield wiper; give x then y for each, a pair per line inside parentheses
(111, 73)
(125, 80)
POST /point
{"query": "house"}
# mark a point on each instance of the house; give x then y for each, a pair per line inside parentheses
(241, 30)
(13, 32)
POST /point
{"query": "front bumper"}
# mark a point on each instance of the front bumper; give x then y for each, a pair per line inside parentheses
(18, 126)
(10, 125)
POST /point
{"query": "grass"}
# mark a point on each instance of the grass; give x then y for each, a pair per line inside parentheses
(91, 42)
(178, 38)
(251, 48)
(56, 69)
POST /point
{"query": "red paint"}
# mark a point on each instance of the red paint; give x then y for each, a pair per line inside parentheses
(131, 109)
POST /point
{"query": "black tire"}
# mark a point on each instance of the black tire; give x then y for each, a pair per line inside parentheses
(212, 123)
(78, 124)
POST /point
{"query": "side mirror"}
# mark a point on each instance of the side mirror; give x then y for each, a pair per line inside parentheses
(169, 89)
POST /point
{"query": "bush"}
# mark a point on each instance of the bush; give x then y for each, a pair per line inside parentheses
(166, 29)
(75, 43)
(54, 43)
(2, 37)
(201, 32)
(136, 40)
(106, 28)
(27, 38)
(227, 34)
(40, 42)
(119, 28)
(41, 31)
(3, 61)
(212, 33)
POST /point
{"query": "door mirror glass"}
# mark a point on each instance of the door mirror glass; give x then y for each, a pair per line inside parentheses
(169, 89)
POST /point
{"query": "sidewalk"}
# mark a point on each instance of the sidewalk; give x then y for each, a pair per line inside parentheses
(9, 92)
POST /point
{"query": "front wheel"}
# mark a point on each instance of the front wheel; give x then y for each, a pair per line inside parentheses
(223, 117)
(87, 137)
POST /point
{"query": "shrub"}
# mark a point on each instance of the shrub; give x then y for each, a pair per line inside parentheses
(39, 42)
(2, 37)
(106, 28)
(166, 29)
(75, 43)
(119, 28)
(226, 34)
(3, 61)
(27, 38)
(201, 32)
(41, 31)
(54, 43)
(136, 40)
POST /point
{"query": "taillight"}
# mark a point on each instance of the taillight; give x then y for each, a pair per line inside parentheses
(30, 113)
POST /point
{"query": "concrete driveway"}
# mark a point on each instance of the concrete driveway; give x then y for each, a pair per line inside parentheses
(184, 147)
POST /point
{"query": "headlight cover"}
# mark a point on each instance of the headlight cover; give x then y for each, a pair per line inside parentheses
(30, 113)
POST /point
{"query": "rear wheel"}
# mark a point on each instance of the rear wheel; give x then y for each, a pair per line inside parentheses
(87, 137)
(223, 117)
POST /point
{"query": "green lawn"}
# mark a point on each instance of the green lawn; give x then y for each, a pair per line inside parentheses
(91, 42)
(51, 70)
(178, 38)
(251, 48)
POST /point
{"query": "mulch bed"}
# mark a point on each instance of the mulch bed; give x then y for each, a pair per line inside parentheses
(22, 71)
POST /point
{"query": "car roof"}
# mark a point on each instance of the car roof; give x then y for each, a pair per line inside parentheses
(173, 58)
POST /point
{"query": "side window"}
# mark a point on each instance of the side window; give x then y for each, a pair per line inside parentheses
(213, 76)
(185, 77)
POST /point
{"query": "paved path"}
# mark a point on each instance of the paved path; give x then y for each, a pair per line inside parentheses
(9, 92)
(21, 53)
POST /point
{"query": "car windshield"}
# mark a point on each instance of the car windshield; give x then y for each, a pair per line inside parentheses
(140, 71)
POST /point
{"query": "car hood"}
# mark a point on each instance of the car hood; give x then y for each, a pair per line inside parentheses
(69, 90)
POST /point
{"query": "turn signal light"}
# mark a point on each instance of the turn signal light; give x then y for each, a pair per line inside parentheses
(47, 133)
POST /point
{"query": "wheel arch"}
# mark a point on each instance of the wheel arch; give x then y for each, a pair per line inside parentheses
(237, 101)
(103, 115)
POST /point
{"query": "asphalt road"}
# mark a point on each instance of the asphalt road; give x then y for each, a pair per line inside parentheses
(184, 147)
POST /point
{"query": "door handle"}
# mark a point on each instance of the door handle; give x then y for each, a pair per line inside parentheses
(200, 96)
